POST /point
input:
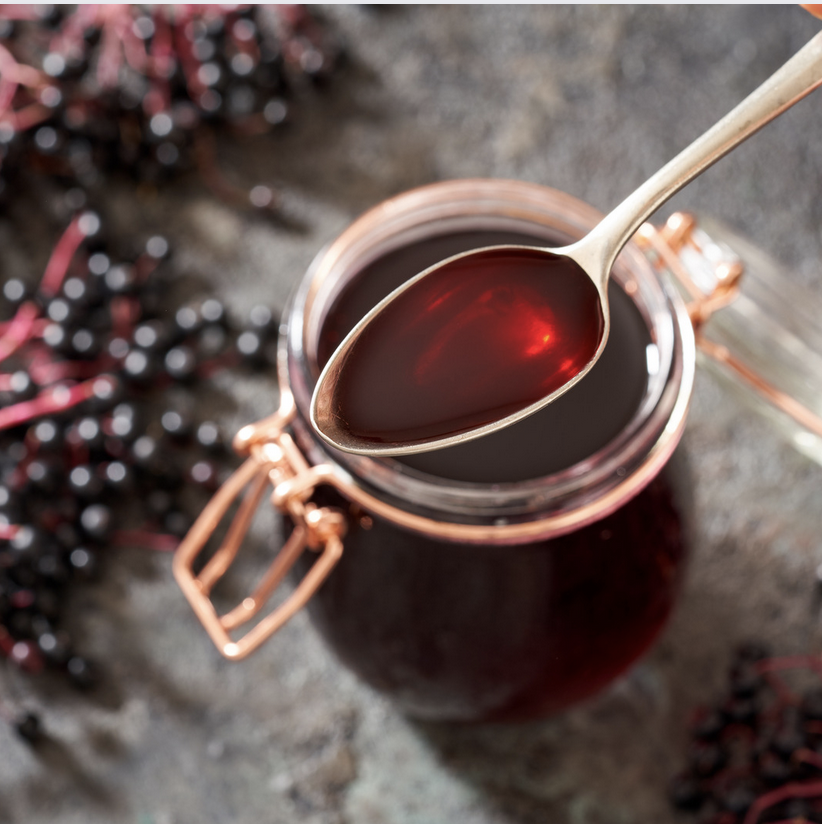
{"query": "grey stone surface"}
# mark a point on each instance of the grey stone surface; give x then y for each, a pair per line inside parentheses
(590, 100)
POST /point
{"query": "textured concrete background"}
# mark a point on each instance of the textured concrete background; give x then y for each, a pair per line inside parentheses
(589, 100)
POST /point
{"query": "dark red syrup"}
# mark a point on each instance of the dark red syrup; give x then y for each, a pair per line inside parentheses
(482, 338)
(487, 632)
(571, 429)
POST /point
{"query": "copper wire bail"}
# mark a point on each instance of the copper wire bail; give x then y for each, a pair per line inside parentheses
(273, 458)
(667, 243)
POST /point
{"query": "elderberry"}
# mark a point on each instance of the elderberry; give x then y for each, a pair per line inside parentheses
(82, 673)
(75, 480)
(756, 746)
(209, 437)
(28, 727)
(148, 110)
(15, 291)
(685, 792)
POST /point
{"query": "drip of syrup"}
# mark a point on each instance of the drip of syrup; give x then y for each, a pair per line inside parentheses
(481, 339)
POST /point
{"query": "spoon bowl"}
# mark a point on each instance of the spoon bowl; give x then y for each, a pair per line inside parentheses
(487, 337)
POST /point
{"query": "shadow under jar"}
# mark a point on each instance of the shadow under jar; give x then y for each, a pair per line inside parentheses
(511, 576)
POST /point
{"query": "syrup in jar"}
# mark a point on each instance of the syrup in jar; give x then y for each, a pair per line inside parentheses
(567, 431)
(514, 575)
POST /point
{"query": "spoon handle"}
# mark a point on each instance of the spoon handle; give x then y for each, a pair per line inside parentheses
(789, 84)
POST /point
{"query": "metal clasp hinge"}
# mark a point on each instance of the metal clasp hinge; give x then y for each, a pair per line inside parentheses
(273, 459)
(666, 246)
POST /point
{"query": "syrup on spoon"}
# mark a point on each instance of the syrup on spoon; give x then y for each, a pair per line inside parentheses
(488, 337)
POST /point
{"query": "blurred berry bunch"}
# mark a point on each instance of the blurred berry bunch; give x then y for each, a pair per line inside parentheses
(92, 452)
(757, 756)
(99, 365)
(89, 90)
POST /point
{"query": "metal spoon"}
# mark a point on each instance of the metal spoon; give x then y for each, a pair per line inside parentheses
(595, 254)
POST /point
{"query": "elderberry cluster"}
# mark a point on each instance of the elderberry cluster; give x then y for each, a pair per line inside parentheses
(757, 756)
(93, 453)
(89, 90)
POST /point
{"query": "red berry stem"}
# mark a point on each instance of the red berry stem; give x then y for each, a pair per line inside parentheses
(8, 531)
(49, 402)
(19, 330)
(810, 789)
(158, 541)
(806, 756)
(61, 258)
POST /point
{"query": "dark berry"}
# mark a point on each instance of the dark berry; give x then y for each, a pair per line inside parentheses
(15, 291)
(117, 476)
(55, 646)
(708, 725)
(250, 346)
(737, 798)
(212, 341)
(176, 424)
(707, 759)
(209, 436)
(177, 522)
(28, 727)
(740, 710)
(139, 366)
(47, 602)
(98, 264)
(187, 320)
(144, 450)
(773, 770)
(82, 673)
(157, 247)
(88, 432)
(119, 279)
(84, 482)
(788, 740)
(46, 435)
(84, 344)
(152, 335)
(59, 310)
(261, 319)
(52, 567)
(21, 386)
(75, 291)
(56, 337)
(181, 363)
(96, 521)
(42, 474)
(685, 792)
(204, 473)
(26, 655)
(745, 680)
(812, 705)
(212, 311)
(28, 541)
(83, 562)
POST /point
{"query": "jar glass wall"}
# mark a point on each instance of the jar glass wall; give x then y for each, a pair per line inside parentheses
(513, 578)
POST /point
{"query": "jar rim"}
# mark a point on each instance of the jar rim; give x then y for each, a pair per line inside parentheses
(552, 503)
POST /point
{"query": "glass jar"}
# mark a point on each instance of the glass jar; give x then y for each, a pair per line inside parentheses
(501, 579)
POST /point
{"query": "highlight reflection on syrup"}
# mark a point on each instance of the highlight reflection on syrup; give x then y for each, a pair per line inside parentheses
(479, 340)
